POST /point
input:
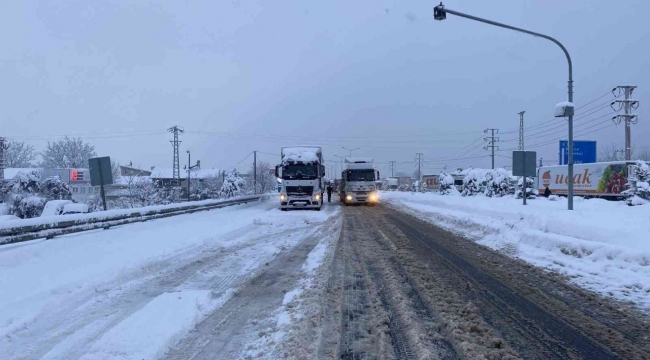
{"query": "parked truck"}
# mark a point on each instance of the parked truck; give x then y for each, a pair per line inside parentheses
(390, 184)
(301, 173)
(604, 179)
(358, 182)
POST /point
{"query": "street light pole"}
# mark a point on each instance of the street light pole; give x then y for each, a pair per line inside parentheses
(440, 13)
(189, 168)
(350, 150)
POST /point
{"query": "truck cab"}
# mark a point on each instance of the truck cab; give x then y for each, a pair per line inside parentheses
(301, 173)
(358, 182)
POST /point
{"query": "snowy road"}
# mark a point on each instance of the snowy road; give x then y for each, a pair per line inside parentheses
(134, 291)
(252, 282)
(404, 289)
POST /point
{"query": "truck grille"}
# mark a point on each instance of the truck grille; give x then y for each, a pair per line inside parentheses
(300, 190)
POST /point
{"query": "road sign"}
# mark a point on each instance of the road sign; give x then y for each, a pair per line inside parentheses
(584, 152)
(524, 163)
(101, 174)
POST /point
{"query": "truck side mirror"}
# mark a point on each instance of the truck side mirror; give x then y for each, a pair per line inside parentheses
(322, 170)
(378, 177)
(277, 171)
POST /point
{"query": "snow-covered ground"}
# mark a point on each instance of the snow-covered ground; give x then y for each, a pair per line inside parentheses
(602, 245)
(133, 291)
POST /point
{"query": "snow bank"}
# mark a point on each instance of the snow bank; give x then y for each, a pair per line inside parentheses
(602, 245)
(41, 273)
(174, 314)
(101, 215)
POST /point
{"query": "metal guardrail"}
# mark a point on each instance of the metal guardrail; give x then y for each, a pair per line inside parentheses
(57, 228)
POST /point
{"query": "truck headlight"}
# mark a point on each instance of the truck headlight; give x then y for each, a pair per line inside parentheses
(317, 197)
(373, 197)
(283, 197)
(348, 198)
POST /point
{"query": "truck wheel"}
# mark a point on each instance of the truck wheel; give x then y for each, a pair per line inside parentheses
(283, 209)
(318, 208)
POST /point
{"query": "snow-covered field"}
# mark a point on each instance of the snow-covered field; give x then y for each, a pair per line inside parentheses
(602, 245)
(133, 291)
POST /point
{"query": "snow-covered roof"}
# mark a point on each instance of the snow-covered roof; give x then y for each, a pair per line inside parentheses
(350, 160)
(305, 157)
(301, 153)
(10, 173)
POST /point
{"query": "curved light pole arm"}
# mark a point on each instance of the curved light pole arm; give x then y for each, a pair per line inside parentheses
(441, 8)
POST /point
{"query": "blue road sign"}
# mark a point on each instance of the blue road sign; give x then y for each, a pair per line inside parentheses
(584, 152)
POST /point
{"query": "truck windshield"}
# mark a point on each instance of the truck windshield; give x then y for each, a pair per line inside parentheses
(299, 172)
(361, 175)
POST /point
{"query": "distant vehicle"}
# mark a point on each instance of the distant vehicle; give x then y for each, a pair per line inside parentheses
(358, 182)
(604, 179)
(390, 184)
(54, 207)
(430, 183)
(75, 208)
(302, 173)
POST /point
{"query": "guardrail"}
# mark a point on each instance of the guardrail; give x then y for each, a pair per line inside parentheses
(55, 227)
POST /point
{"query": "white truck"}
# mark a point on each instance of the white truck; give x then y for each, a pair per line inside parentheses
(358, 182)
(390, 184)
(605, 179)
(301, 174)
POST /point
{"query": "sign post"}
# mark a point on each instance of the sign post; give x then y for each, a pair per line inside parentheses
(100, 174)
(524, 164)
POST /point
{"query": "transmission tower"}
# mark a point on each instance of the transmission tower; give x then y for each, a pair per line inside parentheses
(491, 142)
(175, 144)
(418, 158)
(627, 105)
(3, 157)
(392, 168)
(521, 130)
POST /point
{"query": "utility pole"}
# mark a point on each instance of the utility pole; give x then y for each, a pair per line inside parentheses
(541, 162)
(418, 158)
(392, 168)
(175, 144)
(521, 130)
(189, 171)
(627, 105)
(3, 157)
(491, 142)
(255, 172)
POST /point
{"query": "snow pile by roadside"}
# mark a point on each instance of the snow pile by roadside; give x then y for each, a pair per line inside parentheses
(602, 245)
(297, 328)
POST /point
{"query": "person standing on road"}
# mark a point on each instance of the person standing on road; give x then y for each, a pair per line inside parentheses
(329, 192)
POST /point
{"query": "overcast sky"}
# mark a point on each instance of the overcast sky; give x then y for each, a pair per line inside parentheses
(258, 74)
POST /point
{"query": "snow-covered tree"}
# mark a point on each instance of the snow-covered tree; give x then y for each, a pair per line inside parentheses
(232, 185)
(67, 153)
(497, 183)
(473, 182)
(447, 186)
(53, 188)
(20, 155)
(638, 192)
(531, 191)
(143, 192)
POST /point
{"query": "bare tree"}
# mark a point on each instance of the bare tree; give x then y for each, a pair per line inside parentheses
(67, 153)
(115, 169)
(610, 153)
(265, 180)
(20, 155)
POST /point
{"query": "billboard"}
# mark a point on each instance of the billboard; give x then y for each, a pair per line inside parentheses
(584, 152)
(600, 179)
